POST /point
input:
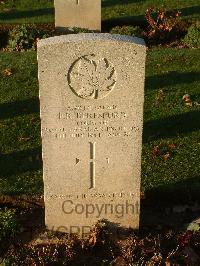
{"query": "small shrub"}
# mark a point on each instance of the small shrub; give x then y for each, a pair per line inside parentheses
(73, 30)
(162, 24)
(80, 30)
(8, 225)
(127, 30)
(24, 37)
(192, 38)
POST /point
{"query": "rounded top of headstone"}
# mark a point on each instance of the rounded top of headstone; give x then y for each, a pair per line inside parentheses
(81, 37)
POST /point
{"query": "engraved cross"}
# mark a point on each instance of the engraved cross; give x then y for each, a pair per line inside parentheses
(92, 164)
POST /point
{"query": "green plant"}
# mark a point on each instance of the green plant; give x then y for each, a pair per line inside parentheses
(25, 37)
(9, 261)
(8, 224)
(192, 38)
(162, 24)
(74, 30)
(80, 30)
(127, 30)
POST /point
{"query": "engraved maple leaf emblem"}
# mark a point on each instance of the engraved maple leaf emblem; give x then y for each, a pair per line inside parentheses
(90, 78)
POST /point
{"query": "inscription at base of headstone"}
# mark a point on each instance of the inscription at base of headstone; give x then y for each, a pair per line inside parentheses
(91, 97)
(78, 14)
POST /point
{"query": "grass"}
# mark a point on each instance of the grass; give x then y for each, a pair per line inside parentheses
(170, 125)
(41, 11)
(20, 163)
(169, 122)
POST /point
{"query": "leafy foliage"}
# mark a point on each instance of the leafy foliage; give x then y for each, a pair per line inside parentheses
(75, 30)
(192, 38)
(8, 224)
(106, 247)
(25, 37)
(162, 24)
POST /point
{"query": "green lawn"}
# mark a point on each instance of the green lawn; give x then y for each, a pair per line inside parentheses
(169, 123)
(19, 125)
(41, 11)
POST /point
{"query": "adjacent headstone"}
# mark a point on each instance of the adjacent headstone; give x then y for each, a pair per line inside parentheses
(78, 13)
(91, 95)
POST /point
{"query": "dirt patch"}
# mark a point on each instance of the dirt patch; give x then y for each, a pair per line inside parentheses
(162, 239)
(102, 247)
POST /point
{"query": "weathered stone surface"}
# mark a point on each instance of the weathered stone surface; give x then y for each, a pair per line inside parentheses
(78, 13)
(91, 95)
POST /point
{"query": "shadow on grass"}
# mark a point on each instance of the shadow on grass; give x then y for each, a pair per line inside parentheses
(119, 2)
(173, 206)
(187, 11)
(171, 126)
(30, 160)
(18, 108)
(139, 20)
(20, 162)
(186, 191)
(171, 79)
(15, 14)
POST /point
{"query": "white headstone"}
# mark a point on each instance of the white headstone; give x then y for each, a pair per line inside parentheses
(78, 13)
(91, 95)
